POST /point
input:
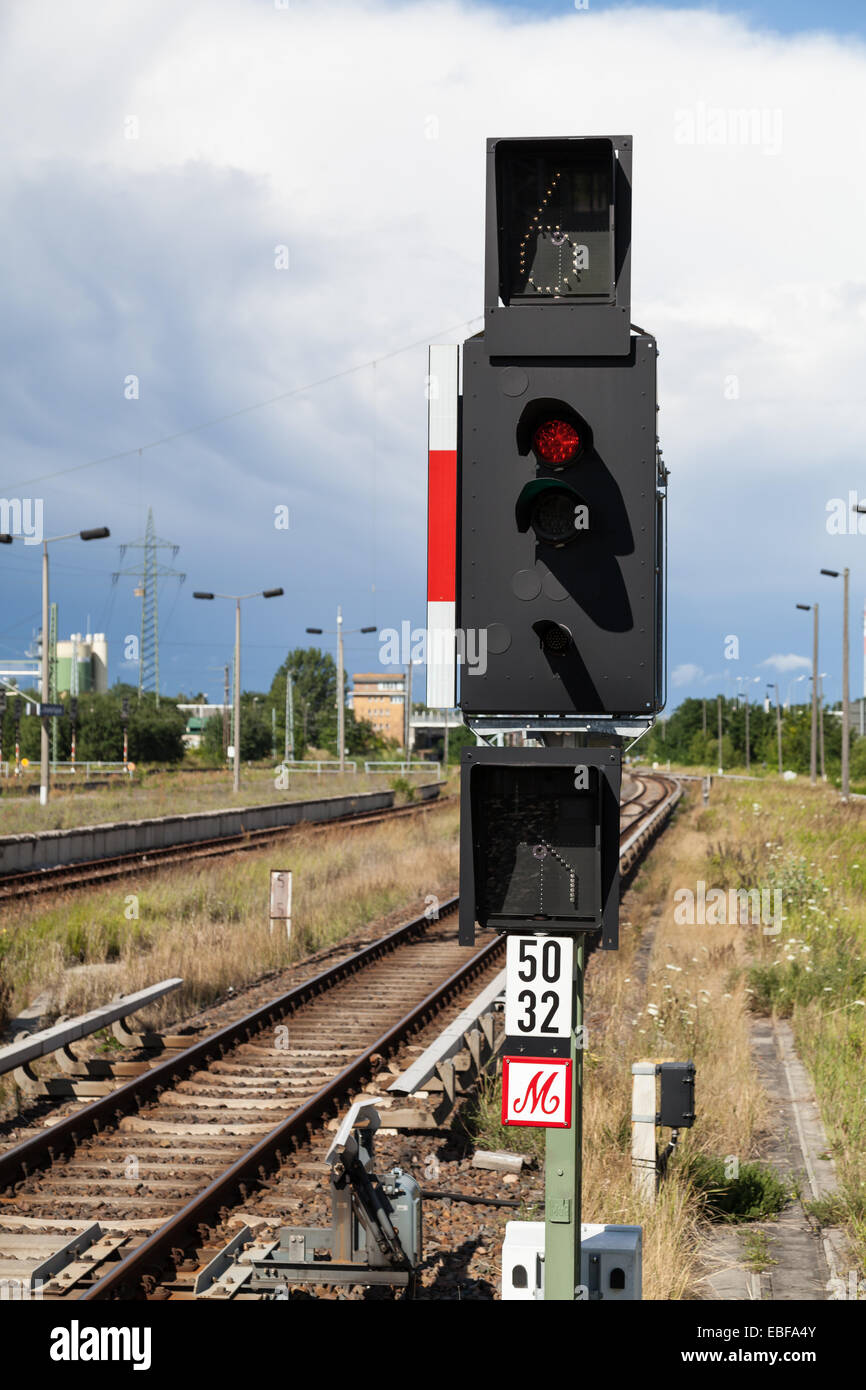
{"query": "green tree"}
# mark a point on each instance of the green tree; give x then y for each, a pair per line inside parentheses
(100, 730)
(697, 750)
(29, 729)
(212, 740)
(361, 737)
(457, 739)
(857, 766)
(256, 738)
(314, 674)
(155, 734)
(728, 758)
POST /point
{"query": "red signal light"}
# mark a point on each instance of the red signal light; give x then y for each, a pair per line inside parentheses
(556, 442)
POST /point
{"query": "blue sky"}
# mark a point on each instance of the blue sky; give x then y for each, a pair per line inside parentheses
(779, 16)
(153, 168)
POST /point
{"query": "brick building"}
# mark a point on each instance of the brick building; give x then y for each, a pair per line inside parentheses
(378, 697)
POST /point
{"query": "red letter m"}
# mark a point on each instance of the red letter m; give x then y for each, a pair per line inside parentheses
(538, 1097)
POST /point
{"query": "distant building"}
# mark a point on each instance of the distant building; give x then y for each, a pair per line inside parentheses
(82, 665)
(856, 714)
(378, 697)
(196, 718)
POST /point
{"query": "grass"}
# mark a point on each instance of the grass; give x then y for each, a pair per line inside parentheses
(701, 984)
(810, 846)
(208, 921)
(675, 1001)
(689, 996)
(481, 1121)
(181, 793)
(758, 1256)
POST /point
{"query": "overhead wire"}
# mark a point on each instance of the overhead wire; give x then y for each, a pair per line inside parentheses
(242, 410)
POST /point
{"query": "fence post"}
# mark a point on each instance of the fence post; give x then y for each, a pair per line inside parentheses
(643, 1130)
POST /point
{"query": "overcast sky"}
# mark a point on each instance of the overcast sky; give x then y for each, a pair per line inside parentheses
(156, 157)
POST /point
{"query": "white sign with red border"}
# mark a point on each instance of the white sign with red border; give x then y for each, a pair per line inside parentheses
(537, 1091)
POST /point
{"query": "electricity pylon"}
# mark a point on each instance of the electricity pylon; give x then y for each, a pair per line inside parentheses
(148, 575)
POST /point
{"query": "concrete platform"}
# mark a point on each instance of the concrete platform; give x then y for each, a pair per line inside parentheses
(804, 1261)
(83, 844)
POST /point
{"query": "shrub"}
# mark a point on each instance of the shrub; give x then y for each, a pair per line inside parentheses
(755, 1194)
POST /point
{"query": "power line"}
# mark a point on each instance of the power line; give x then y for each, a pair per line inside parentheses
(243, 410)
(147, 576)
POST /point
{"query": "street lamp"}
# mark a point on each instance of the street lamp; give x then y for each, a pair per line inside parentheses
(822, 676)
(771, 685)
(237, 599)
(746, 680)
(834, 574)
(861, 507)
(813, 754)
(795, 680)
(96, 533)
(341, 711)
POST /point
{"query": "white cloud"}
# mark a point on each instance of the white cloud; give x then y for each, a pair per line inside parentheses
(309, 126)
(686, 674)
(787, 662)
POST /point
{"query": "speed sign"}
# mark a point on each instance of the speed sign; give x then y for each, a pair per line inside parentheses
(538, 987)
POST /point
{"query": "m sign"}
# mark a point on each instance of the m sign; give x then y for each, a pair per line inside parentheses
(536, 1091)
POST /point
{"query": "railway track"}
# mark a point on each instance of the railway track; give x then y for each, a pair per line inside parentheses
(94, 872)
(143, 1184)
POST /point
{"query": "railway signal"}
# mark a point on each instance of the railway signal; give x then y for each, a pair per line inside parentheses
(546, 539)
(539, 841)
(562, 487)
(73, 720)
(124, 719)
(18, 710)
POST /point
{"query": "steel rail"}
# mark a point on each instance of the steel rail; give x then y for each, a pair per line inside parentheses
(650, 824)
(141, 1265)
(63, 1137)
(252, 1166)
(43, 1148)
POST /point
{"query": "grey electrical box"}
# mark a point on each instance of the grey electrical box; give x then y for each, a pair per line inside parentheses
(611, 1262)
(677, 1109)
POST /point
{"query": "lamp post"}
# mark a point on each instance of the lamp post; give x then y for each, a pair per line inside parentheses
(795, 680)
(289, 751)
(94, 534)
(746, 680)
(341, 698)
(861, 507)
(237, 599)
(774, 686)
(834, 574)
(407, 712)
(813, 755)
(822, 676)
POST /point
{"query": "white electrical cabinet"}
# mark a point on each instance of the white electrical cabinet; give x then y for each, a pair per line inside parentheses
(610, 1261)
